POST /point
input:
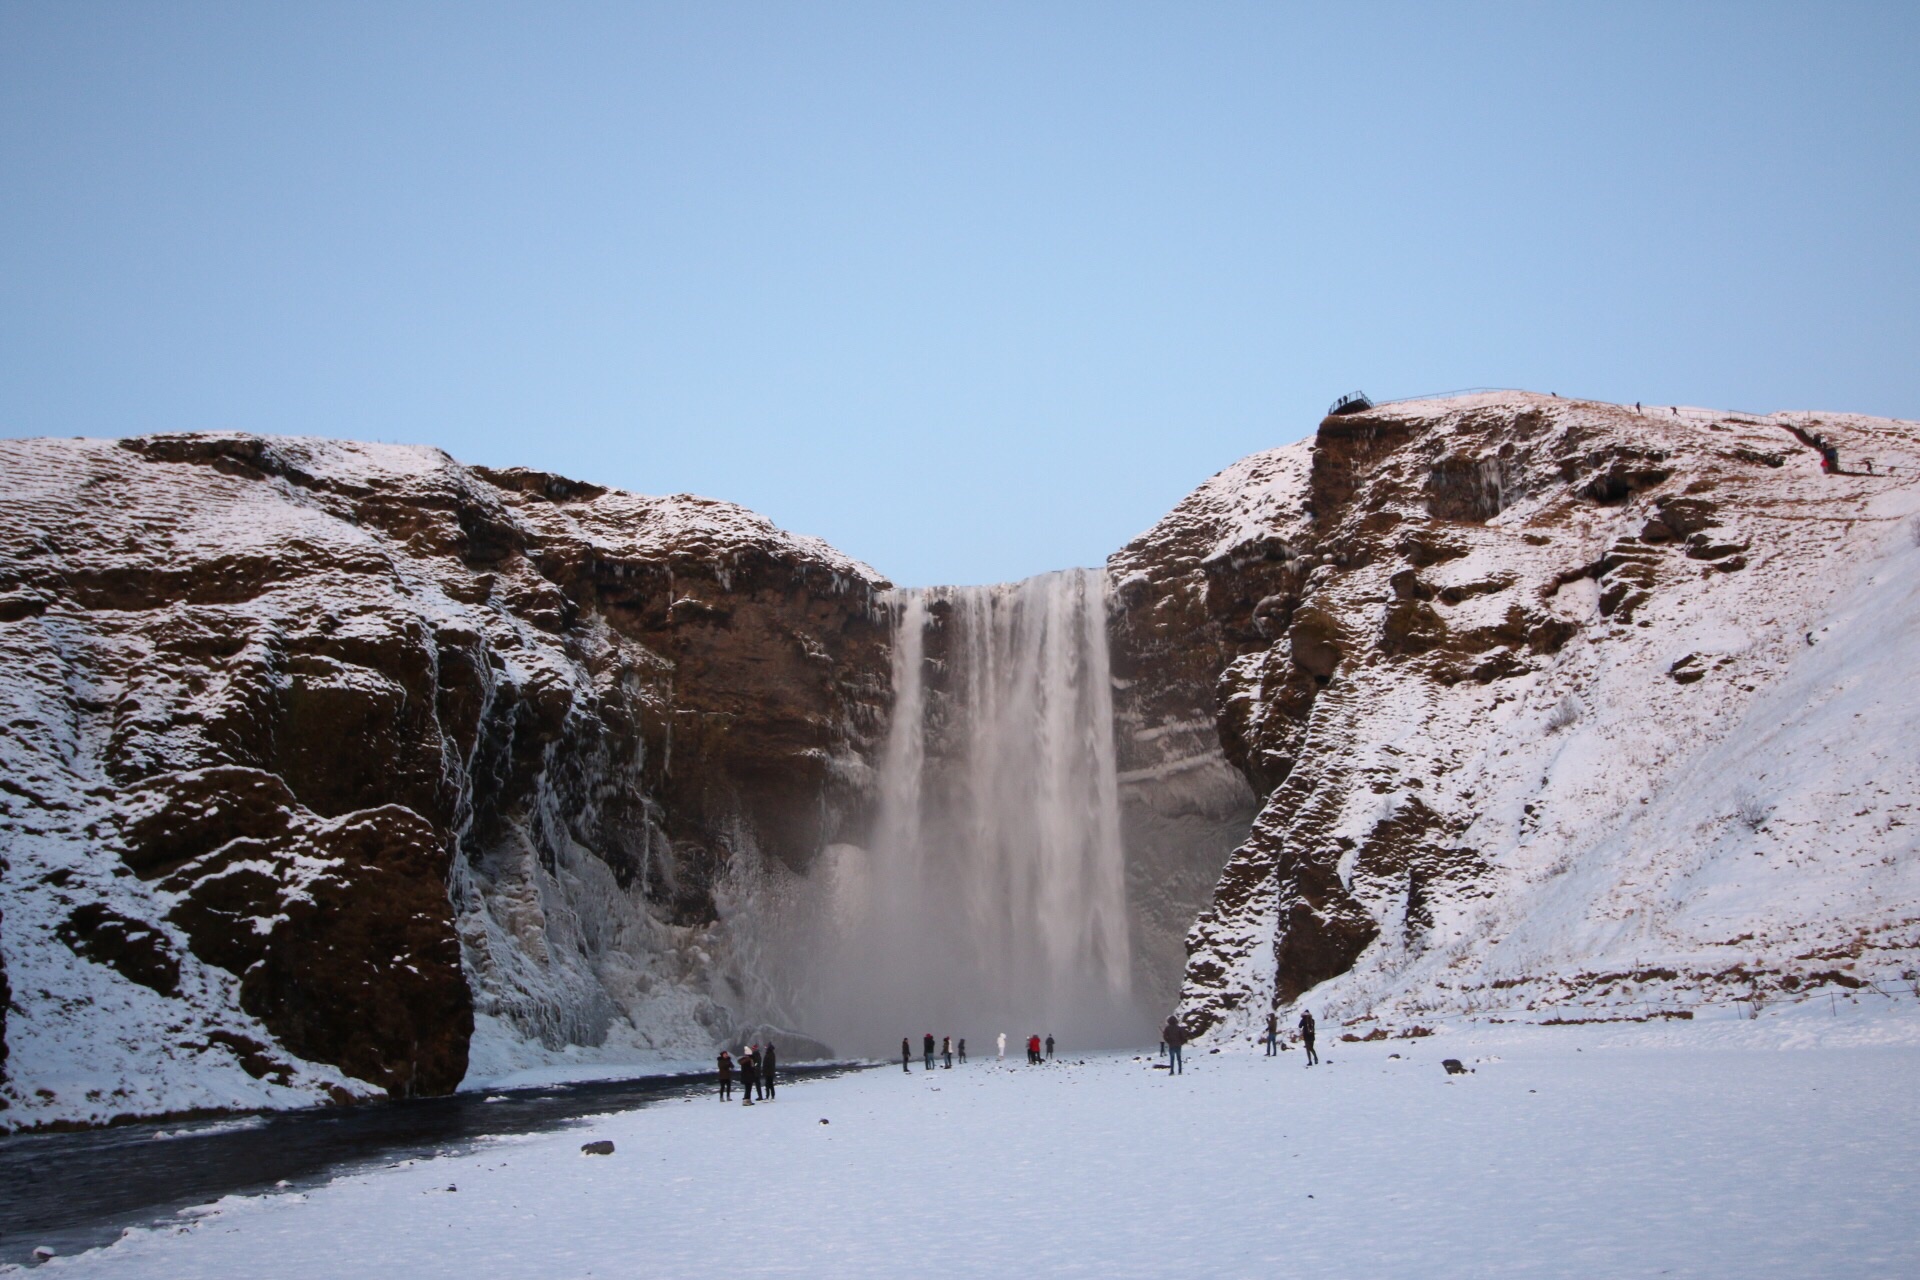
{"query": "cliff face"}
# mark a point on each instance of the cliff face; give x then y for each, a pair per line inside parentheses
(1185, 803)
(330, 771)
(336, 769)
(1548, 702)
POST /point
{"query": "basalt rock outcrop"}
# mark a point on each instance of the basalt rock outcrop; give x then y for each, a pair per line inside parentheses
(1511, 676)
(332, 770)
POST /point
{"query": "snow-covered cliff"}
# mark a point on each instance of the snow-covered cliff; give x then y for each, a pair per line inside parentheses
(1554, 703)
(332, 769)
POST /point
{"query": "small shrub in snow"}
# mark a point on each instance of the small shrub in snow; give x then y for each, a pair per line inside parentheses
(1564, 713)
(1750, 810)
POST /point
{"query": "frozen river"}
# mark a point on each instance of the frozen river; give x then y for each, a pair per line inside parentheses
(72, 1191)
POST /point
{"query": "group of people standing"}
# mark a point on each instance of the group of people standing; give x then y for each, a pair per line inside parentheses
(1173, 1036)
(946, 1051)
(1038, 1051)
(755, 1068)
(755, 1065)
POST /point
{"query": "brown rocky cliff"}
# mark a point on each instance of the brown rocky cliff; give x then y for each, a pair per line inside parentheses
(1364, 608)
(389, 740)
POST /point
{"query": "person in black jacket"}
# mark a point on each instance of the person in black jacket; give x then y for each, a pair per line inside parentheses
(1306, 1036)
(726, 1076)
(1273, 1034)
(906, 1055)
(1173, 1035)
(963, 1048)
(766, 1071)
(927, 1045)
(749, 1075)
(1049, 1046)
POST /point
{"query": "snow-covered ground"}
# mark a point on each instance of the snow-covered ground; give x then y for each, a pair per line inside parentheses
(1783, 1146)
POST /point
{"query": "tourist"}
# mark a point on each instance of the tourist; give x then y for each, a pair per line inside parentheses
(749, 1073)
(766, 1070)
(1173, 1036)
(1273, 1034)
(1003, 1045)
(1049, 1046)
(1033, 1050)
(963, 1049)
(1306, 1036)
(927, 1045)
(726, 1075)
(906, 1055)
(946, 1050)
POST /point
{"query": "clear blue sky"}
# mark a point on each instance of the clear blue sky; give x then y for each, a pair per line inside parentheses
(971, 290)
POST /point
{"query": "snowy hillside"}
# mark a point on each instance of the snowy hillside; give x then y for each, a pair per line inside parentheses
(1560, 710)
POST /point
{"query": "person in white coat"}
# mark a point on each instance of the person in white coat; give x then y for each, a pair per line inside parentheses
(1003, 1044)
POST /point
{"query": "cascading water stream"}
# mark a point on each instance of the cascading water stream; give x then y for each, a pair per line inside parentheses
(992, 894)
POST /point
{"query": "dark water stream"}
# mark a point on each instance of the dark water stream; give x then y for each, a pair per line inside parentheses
(75, 1191)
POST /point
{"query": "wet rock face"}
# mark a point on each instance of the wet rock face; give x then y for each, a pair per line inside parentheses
(1350, 615)
(346, 747)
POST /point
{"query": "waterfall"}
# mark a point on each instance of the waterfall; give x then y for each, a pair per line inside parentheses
(991, 895)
